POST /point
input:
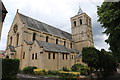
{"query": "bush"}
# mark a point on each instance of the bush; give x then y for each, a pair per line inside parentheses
(65, 69)
(40, 72)
(51, 72)
(29, 70)
(67, 76)
(10, 68)
(80, 68)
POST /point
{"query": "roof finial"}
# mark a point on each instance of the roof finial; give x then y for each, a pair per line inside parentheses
(80, 10)
(17, 10)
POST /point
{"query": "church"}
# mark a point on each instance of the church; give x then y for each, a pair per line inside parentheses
(36, 43)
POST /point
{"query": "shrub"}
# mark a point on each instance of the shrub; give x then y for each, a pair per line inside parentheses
(40, 72)
(80, 68)
(10, 68)
(53, 72)
(65, 69)
(29, 69)
(67, 75)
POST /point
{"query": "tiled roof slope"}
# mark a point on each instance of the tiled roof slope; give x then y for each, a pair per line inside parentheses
(55, 48)
(2, 7)
(38, 25)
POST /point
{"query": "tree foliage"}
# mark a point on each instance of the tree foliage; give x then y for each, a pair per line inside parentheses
(100, 60)
(90, 56)
(107, 61)
(109, 17)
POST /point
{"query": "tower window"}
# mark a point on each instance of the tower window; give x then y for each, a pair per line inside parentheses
(35, 55)
(47, 38)
(74, 23)
(87, 21)
(70, 45)
(24, 55)
(64, 43)
(34, 36)
(53, 55)
(56, 41)
(80, 21)
(17, 39)
(49, 55)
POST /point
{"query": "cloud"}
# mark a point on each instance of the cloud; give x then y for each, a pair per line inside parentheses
(54, 12)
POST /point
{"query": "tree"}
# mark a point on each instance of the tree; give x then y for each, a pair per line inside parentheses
(109, 17)
(108, 62)
(99, 60)
(90, 56)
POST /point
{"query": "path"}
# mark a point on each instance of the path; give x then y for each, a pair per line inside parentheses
(30, 77)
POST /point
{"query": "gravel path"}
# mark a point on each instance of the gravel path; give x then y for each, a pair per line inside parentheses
(29, 77)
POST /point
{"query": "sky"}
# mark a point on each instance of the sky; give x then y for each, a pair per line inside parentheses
(56, 13)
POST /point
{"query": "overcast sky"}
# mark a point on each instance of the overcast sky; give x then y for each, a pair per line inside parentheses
(56, 13)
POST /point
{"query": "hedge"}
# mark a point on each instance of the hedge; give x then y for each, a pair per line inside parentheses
(10, 68)
(28, 69)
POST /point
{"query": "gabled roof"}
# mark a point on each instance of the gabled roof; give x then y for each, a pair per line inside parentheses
(79, 55)
(2, 7)
(29, 42)
(12, 49)
(55, 48)
(38, 25)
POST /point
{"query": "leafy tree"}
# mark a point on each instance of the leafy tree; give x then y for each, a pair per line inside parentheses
(109, 17)
(90, 56)
(108, 62)
(100, 60)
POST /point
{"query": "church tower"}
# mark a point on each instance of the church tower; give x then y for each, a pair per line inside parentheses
(81, 30)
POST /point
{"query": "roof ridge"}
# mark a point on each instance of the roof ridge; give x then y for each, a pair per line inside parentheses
(44, 23)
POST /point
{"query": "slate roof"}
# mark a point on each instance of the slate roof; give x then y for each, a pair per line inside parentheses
(3, 11)
(80, 11)
(12, 49)
(55, 48)
(28, 42)
(38, 25)
(79, 55)
(2, 7)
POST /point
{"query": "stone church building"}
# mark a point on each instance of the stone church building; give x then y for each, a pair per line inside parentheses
(39, 44)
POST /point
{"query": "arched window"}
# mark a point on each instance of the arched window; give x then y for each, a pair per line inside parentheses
(72, 57)
(63, 56)
(11, 40)
(53, 55)
(74, 23)
(49, 55)
(56, 41)
(47, 38)
(34, 36)
(64, 43)
(17, 39)
(70, 45)
(87, 21)
(66, 56)
(35, 55)
(80, 21)
(7, 57)
(24, 55)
